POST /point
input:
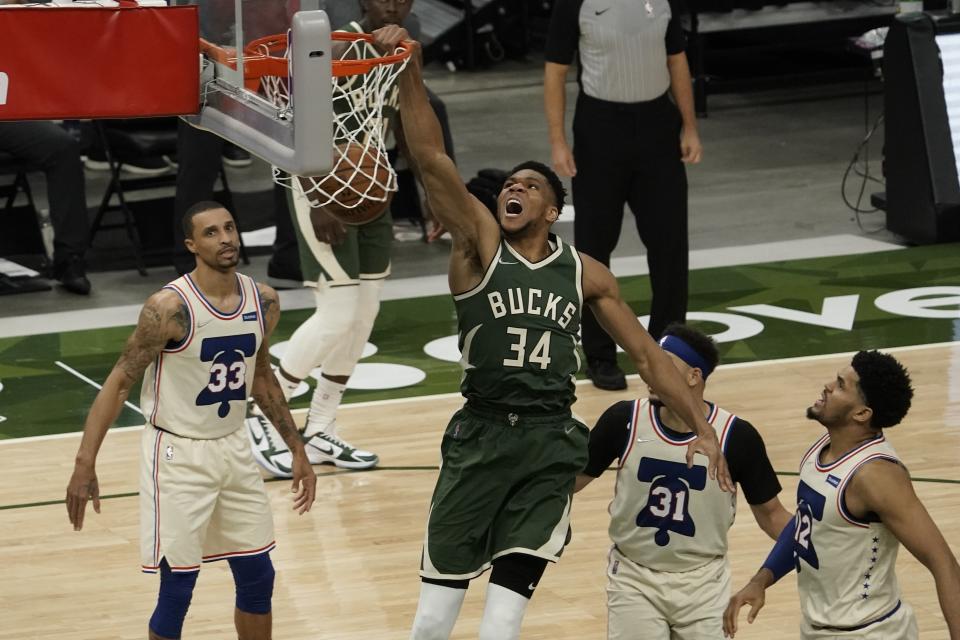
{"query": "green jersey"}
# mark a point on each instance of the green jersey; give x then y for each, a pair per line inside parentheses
(519, 330)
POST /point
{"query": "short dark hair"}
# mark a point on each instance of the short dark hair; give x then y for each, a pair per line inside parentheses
(885, 387)
(201, 207)
(556, 185)
(700, 342)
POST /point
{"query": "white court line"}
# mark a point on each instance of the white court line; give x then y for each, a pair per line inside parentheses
(70, 369)
(435, 285)
(447, 396)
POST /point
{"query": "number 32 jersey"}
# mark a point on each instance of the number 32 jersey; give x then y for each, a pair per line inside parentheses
(518, 332)
(845, 566)
(198, 387)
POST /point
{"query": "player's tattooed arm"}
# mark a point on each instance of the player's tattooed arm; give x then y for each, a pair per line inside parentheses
(269, 396)
(162, 319)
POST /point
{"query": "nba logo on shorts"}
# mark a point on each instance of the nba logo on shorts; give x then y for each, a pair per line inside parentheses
(4, 83)
(168, 454)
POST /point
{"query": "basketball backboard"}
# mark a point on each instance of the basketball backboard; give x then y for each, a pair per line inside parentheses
(296, 137)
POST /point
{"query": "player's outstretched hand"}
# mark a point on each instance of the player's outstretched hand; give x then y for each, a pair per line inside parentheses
(753, 594)
(389, 37)
(83, 486)
(304, 484)
(709, 446)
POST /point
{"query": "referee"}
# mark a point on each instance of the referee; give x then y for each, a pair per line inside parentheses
(630, 140)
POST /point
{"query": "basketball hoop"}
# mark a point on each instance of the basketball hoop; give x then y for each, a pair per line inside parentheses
(363, 82)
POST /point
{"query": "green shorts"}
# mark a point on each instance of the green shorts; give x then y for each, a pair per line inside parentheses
(505, 486)
(363, 255)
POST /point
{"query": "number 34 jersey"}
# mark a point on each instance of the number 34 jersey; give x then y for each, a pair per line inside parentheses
(518, 332)
(665, 516)
(845, 565)
(198, 387)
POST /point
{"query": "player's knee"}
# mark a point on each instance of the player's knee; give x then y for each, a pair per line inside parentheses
(176, 591)
(253, 577)
(340, 310)
(518, 572)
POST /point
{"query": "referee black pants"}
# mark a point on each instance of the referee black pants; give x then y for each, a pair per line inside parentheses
(629, 154)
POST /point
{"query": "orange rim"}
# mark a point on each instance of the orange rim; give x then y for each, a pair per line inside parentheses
(257, 64)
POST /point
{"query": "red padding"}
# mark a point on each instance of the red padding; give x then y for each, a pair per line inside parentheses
(98, 63)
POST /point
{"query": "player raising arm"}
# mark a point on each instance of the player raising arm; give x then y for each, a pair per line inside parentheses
(511, 455)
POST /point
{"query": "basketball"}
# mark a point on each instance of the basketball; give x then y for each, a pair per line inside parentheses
(357, 184)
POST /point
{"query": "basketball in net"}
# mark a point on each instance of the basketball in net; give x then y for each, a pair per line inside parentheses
(361, 183)
(357, 189)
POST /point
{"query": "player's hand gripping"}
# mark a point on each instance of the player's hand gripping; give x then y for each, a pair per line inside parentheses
(83, 486)
(389, 37)
(753, 594)
(304, 484)
(709, 446)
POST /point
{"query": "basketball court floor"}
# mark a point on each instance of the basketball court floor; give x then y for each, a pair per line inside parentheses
(783, 277)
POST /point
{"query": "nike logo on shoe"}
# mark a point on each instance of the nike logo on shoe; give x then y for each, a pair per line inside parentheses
(531, 586)
(601, 11)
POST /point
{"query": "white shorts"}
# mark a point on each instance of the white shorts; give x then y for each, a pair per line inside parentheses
(902, 625)
(665, 605)
(200, 501)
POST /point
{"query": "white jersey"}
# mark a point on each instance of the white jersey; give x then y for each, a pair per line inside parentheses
(845, 566)
(198, 387)
(665, 516)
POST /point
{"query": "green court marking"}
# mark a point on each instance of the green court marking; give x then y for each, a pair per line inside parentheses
(39, 398)
(338, 472)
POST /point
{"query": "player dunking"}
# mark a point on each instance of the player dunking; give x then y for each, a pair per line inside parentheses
(855, 505)
(668, 577)
(512, 453)
(203, 342)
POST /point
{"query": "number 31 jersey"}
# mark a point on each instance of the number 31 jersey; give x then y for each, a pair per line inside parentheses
(518, 332)
(665, 516)
(198, 387)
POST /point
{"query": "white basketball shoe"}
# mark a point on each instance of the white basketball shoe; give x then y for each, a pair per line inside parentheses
(269, 449)
(324, 447)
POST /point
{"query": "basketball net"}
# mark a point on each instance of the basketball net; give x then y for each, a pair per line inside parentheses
(359, 122)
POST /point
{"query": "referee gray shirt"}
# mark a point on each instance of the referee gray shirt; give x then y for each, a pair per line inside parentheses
(622, 44)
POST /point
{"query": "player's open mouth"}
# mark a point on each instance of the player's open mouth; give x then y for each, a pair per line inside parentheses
(227, 252)
(819, 402)
(514, 207)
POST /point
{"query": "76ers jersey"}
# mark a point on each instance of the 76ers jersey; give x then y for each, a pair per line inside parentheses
(198, 387)
(845, 566)
(665, 516)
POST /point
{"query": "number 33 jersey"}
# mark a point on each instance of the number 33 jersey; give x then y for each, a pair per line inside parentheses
(198, 387)
(845, 565)
(665, 516)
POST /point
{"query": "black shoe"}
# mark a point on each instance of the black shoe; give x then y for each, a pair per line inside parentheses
(73, 276)
(284, 277)
(235, 156)
(606, 375)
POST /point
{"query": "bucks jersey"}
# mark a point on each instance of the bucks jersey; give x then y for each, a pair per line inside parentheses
(845, 565)
(198, 387)
(356, 109)
(518, 332)
(664, 515)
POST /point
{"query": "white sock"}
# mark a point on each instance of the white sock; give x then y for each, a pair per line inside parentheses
(502, 614)
(437, 612)
(323, 406)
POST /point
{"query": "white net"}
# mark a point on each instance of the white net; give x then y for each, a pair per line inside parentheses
(363, 104)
